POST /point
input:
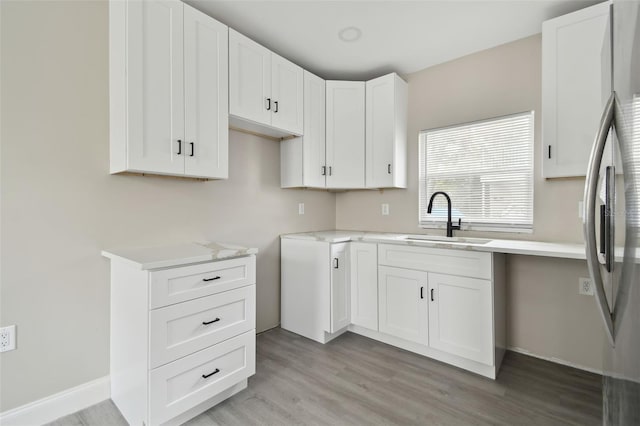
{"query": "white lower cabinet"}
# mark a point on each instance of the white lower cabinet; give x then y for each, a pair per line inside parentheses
(340, 302)
(402, 303)
(447, 304)
(315, 292)
(364, 284)
(461, 316)
(182, 338)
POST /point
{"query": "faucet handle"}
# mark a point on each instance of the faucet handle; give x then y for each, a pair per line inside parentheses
(458, 225)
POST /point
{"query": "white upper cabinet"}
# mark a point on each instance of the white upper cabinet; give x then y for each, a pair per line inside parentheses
(287, 93)
(386, 132)
(302, 159)
(249, 79)
(206, 95)
(345, 134)
(161, 54)
(576, 82)
(265, 90)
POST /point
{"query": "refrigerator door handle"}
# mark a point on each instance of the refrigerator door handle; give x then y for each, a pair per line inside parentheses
(589, 226)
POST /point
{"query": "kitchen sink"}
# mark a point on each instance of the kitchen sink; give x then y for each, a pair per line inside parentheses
(449, 240)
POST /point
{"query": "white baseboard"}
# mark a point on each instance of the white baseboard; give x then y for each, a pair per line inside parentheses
(53, 407)
(554, 359)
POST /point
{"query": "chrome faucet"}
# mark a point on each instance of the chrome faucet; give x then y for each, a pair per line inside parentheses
(450, 225)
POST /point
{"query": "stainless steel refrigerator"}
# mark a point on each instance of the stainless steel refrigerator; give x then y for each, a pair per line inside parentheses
(612, 220)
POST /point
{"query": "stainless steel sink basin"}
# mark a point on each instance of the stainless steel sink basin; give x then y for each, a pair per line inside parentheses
(449, 240)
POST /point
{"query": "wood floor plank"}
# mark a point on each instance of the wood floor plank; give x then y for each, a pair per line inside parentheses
(354, 380)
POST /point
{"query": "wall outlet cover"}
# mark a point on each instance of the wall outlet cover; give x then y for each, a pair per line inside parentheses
(385, 209)
(585, 287)
(300, 208)
(7, 338)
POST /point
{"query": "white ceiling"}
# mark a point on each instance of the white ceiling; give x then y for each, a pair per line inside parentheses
(400, 36)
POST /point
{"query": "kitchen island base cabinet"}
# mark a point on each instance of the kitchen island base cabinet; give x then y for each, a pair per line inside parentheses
(172, 357)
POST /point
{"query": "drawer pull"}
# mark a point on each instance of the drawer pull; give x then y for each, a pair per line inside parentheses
(206, 376)
(210, 322)
(211, 279)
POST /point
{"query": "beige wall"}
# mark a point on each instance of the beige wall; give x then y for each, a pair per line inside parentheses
(495, 82)
(60, 206)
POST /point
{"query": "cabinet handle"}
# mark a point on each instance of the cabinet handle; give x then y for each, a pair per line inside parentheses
(210, 322)
(389, 168)
(324, 170)
(329, 170)
(549, 151)
(432, 299)
(335, 263)
(211, 279)
(421, 292)
(192, 149)
(206, 376)
(276, 105)
(268, 104)
(179, 147)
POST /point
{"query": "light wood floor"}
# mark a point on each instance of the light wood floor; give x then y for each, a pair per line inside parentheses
(357, 381)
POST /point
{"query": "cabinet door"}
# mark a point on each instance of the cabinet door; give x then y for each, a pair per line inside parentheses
(403, 303)
(155, 86)
(340, 303)
(249, 79)
(364, 284)
(576, 82)
(461, 317)
(286, 92)
(345, 134)
(386, 132)
(206, 95)
(313, 151)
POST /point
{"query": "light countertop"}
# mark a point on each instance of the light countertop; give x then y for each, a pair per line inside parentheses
(532, 248)
(176, 255)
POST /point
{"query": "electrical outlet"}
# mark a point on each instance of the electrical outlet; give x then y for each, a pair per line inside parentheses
(7, 338)
(300, 208)
(385, 209)
(585, 286)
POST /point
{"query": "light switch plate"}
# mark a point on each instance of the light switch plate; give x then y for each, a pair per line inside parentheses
(385, 209)
(300, 208)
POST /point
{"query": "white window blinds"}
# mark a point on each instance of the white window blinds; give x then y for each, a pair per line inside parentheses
(486, 168)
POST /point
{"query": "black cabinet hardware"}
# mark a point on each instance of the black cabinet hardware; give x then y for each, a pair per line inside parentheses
(192, 149)
(389, 168)
(206, 376)
(329, 170)
(276, 105)
(211, 279)
(210, 322)
(432, 295)
(179, 147)
(335, 263)
(268, 104)
(324, 170)
(549, 154)
(421, 292)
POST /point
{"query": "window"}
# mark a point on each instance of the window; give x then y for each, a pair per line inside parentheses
(486, 167)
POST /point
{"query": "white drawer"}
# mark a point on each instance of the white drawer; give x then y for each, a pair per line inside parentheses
(187, 327)
(176, 285)
(446, 261)
(181, 385)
